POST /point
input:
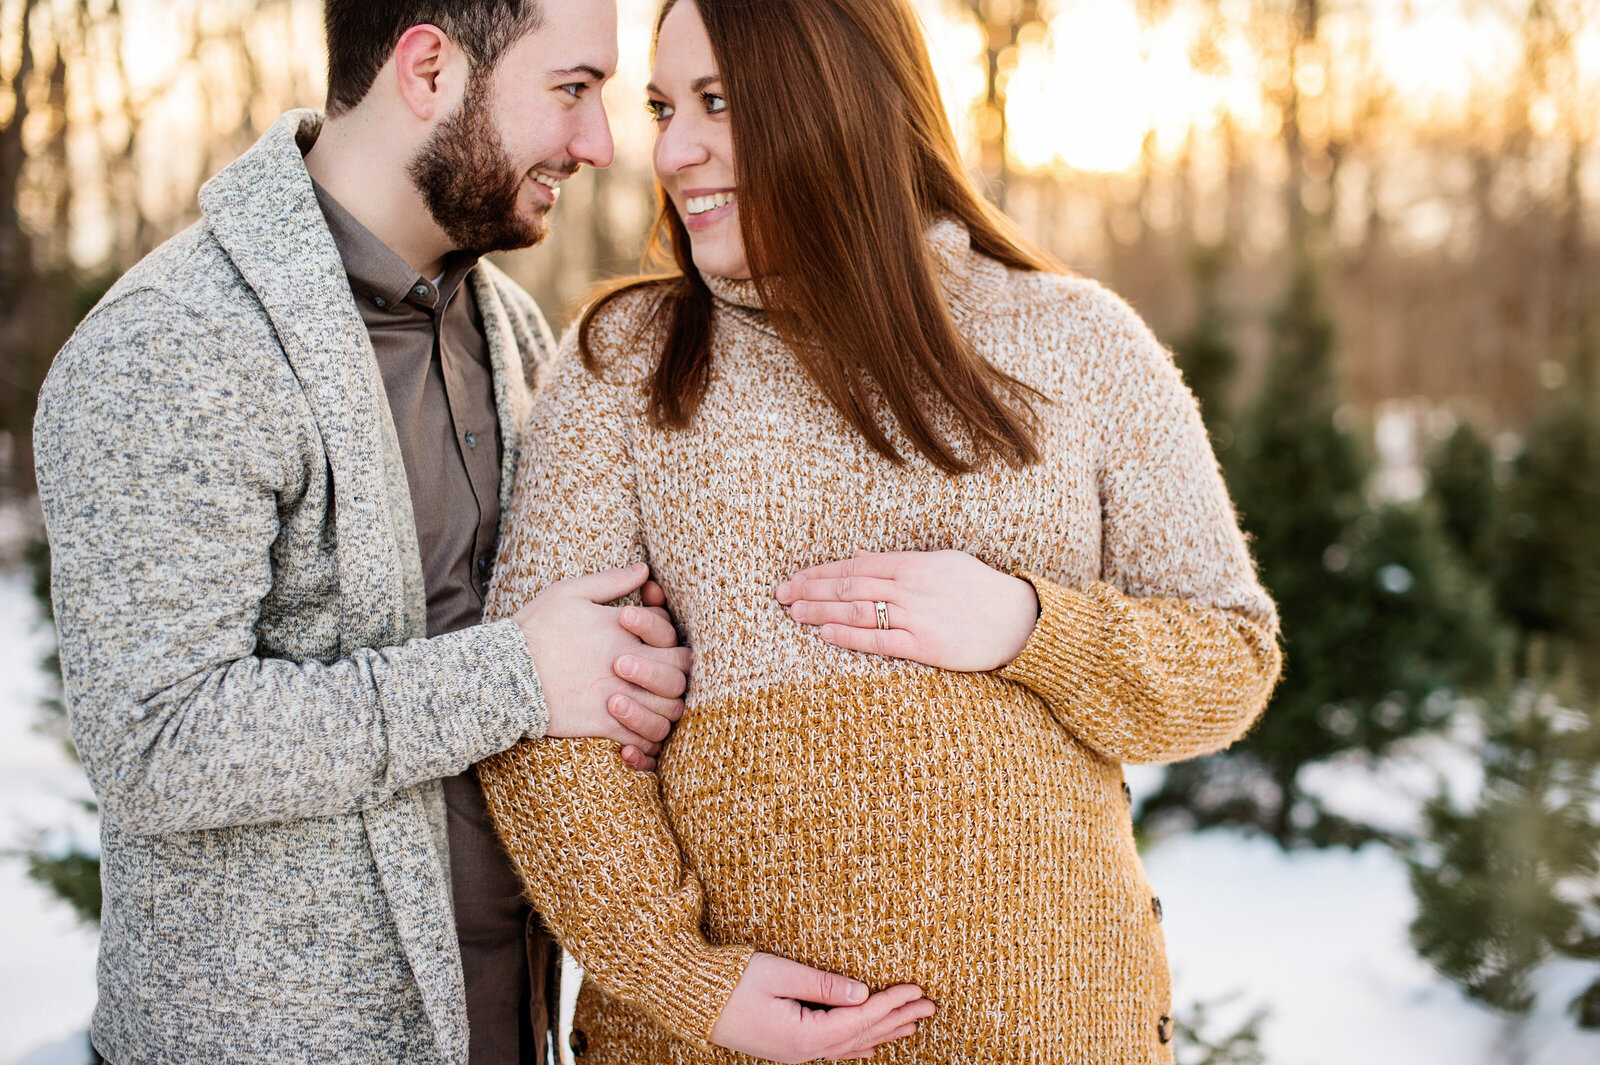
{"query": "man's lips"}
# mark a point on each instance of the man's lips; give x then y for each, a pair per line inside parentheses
(547, 185)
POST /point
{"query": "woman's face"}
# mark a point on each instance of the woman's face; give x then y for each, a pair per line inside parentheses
(694, 143)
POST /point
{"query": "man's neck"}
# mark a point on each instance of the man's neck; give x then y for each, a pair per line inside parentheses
(360, 167)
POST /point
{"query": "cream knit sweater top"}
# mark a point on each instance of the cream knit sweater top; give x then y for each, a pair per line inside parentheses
(876, 817)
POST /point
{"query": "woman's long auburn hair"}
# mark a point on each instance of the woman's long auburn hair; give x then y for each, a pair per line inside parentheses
(844, 157)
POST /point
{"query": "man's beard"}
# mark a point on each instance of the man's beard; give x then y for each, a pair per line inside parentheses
(470, 185)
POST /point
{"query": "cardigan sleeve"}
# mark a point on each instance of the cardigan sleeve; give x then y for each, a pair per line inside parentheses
(169, 458)
(1174, 652)
(590, 836)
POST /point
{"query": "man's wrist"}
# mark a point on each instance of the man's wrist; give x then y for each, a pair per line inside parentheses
(525, 671)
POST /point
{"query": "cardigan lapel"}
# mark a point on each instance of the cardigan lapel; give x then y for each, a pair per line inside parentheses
(512, 356)
(263, 210)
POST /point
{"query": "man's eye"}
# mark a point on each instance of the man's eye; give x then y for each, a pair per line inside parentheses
(576, 88)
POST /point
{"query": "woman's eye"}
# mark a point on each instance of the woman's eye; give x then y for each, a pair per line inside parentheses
(659, 110)
(714, 102)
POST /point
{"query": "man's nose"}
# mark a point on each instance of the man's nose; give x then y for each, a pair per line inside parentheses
(593, 145)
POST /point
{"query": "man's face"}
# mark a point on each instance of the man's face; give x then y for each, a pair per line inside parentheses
(492, 170)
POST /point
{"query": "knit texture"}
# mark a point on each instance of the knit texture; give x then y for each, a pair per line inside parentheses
(238, 600)
(870, 816)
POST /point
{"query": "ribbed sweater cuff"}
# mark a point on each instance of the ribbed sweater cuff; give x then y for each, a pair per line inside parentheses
(690, 983)
(1065, 655)
(515, 702)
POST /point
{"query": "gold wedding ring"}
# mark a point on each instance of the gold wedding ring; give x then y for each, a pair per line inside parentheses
(883, 613)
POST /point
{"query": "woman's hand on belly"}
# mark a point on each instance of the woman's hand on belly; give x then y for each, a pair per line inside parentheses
(942, 608)
(771, 1013)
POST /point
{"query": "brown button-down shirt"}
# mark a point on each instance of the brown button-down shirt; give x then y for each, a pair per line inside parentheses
(435, 366)
(434, 360)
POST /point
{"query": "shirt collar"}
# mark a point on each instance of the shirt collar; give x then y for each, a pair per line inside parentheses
(378, 273)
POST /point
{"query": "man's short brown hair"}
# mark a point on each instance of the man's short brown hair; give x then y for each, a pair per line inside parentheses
(362, 35)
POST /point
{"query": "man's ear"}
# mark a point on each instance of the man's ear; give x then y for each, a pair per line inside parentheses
(430, 71)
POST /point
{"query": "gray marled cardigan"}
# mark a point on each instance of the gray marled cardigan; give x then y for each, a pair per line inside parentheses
(239, 600)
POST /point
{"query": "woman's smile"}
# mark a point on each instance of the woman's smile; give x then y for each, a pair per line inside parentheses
(704, 208)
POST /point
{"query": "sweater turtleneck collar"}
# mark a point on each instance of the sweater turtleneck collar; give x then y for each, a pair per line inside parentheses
(970, 279)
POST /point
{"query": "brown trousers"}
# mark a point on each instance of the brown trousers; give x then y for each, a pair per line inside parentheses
(511, 965)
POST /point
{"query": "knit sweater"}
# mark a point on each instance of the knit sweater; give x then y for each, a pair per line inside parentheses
(866, 815)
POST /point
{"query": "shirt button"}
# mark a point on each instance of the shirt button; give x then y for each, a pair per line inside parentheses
(1155, 907)
(483, 565)
(471, 438)
(1163, 1030)
(380, 301)
(578, 1041)
(420, 290)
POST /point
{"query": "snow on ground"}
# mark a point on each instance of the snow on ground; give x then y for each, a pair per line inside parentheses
(46, 956)
(1317, 937)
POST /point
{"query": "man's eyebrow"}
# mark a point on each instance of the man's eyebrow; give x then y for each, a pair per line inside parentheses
(695, 86)
(582, 68)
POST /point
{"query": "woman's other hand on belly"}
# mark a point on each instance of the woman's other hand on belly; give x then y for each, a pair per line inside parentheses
(784, 1011)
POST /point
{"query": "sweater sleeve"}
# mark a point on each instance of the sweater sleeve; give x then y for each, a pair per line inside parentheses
(1174, 652)
(590, 836)
(166, 459)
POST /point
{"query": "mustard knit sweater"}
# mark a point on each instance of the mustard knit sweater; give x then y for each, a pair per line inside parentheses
(875, 817)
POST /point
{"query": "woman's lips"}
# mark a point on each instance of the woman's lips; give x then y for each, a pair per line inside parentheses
(696, 222)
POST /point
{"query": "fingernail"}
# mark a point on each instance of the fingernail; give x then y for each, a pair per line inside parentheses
(783, 590)
(856, 992)
(627, 665)
(828, 633)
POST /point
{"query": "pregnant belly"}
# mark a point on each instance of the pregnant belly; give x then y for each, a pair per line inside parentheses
(907, 828)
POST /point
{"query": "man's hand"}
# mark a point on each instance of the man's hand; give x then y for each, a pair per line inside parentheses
(613, 673)
(772, 1014)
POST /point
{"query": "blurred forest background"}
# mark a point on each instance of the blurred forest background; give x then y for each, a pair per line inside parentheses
(1369, 229)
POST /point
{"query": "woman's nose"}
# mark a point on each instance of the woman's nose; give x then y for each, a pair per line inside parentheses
(678, 146)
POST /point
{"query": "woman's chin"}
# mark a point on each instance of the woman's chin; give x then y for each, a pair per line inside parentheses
(734, 269)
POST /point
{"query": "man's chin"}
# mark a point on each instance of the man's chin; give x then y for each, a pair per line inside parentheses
(527, 233)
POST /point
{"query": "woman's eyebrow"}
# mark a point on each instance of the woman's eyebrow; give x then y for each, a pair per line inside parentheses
(694, 86)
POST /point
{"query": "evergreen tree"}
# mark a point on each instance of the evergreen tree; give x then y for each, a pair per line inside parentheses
(1197, 1042)
(1548, 567)
(1513, 880)
(1461, 484)
(73, 875)
(1205, 352)
(1377, 612)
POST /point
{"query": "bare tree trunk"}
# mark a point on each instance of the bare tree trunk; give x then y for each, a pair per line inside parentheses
(15, 247)
(1003, 22)
(16, 271)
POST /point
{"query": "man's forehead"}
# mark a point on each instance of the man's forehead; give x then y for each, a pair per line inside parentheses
(577, 39)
